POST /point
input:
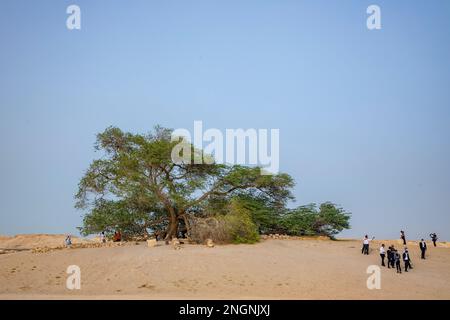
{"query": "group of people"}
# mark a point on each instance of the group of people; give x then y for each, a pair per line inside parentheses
(116, 238)
(393, 256)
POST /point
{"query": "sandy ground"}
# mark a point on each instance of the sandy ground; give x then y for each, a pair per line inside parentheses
(29, 241)
(271, 269)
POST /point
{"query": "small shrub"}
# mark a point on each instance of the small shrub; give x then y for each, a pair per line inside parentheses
(202, 229)
(236, 226)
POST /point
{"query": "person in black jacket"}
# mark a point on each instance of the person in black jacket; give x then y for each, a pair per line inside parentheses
(403, 237)
(397, 259)
(434, 238)
(423, 248)
(407, 260)
(389, 257)
(392, 260)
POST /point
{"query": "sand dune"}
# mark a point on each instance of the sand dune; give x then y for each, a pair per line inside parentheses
(31, 241)
(271, 269)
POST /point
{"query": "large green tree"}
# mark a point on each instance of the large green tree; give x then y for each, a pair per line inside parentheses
(328, 219)
(136, 185)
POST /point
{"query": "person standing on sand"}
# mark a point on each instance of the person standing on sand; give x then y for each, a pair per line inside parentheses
(407, 260)
(365, 248)
(102, 237)
(423, 248)
(389, 257)
(382, 255)
(434, 238)
(393, 251)
(397, 261)
(403, 237)
(68, 240)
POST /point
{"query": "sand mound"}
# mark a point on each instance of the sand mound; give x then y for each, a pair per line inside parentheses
(31, 241)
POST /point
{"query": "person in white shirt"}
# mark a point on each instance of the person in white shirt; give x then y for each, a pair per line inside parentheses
(366, 241)
(68, 241)
(407, 260)
(382, 255)
(423, 248)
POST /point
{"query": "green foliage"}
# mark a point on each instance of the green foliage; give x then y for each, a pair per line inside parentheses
(135, 184)
(233, 225)
(326, 220)
(299, 221)
(331, 219)
(240, 225)
(109, 216)
(262, 211)
(246, 216)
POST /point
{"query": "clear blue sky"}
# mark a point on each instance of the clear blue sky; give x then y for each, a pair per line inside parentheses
(363, 115)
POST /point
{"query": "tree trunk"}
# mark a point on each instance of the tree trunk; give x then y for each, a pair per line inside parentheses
(172, 229)
(186, 223)
(145, 232)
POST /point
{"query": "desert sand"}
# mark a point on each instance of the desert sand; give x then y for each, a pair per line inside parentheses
(271, 269)
(23, 242)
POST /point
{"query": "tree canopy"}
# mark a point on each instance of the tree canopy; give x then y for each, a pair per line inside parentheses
(135, 185)
(327, 219)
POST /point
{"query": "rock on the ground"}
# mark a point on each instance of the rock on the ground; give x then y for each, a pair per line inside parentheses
(151, 243)
(209, 243)
(176, 244)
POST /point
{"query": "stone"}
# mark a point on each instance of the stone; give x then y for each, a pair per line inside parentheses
(151, 243)
(209, 243)
(176, 244)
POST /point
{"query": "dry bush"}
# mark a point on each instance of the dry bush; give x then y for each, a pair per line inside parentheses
(234, 227)
(212, 228)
